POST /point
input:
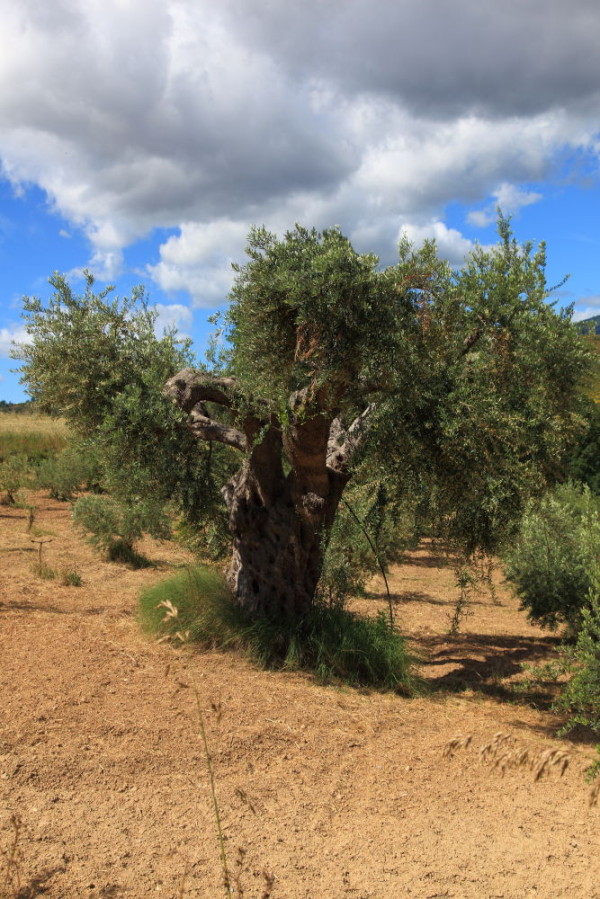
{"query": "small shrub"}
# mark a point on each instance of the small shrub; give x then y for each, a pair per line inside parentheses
(122, 551)
(15, 474)
(581, 696)
(553, 559)
(195, 606)
(44, 571)
(68, 473)
(71, 578)
(114, 528)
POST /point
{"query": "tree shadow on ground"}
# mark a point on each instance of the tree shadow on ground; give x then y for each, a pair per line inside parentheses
(431, 560)
(407, 596)
(54, 610)
(485, 662)
(37, 886)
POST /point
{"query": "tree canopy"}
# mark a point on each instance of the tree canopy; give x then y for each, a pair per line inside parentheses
(458, 387)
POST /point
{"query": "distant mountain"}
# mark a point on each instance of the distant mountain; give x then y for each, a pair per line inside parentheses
(589, 325)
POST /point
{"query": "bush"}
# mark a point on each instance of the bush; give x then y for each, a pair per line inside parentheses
(69, 472)
(114, 527)
(581, 696)
(15, 474)
(195, 606)
(584, 462)
(554, 558)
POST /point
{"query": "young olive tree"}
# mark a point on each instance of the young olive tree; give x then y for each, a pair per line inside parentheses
(97, 361)
(457, 387)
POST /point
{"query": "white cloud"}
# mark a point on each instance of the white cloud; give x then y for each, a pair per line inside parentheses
(510, 198)
(207, 117)
(450, 243)
(11, 335)
(173, 315)
(587, 307)
(198, 260)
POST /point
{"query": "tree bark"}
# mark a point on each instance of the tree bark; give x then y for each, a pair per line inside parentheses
(279, 521)
(280, 528)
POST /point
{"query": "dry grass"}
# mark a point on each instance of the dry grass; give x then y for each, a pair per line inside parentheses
(25, 423)
(32, 435)
(503, 752)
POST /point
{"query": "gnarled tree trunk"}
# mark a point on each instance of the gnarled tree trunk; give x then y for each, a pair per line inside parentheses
(280, 522)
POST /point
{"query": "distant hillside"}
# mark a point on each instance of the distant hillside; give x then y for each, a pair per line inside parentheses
(589, 325)
(27, 406)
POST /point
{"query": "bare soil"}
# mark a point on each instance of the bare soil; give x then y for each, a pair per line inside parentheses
(323, 791)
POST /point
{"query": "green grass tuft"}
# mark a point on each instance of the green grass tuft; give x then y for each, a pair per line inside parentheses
(195, 606)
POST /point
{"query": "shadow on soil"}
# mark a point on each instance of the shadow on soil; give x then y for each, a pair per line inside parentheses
(482, 662)
(54, 610)
(38, 886)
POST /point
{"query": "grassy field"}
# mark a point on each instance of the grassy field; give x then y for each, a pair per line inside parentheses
(32, 435)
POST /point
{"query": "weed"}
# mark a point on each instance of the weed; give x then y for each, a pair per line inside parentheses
(227, 884)
(466, 582)
(329, 641)
(45, 572)
(503, 752)
(71, 578)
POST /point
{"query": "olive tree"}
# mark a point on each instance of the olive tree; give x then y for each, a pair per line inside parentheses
(463, 382)
(460, 386)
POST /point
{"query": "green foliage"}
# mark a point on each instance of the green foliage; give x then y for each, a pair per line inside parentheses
(15, 475)
(71, 578)
(305, 309)
(475, 378)
(331, 642)
(492, 404)
(369, 533)
(581, 696)
(553, 560)
(97, 361)
(583, 463)
(76, 468)
(114, 528)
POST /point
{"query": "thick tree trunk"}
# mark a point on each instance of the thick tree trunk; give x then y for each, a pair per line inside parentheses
(279, 522)
(280, 529)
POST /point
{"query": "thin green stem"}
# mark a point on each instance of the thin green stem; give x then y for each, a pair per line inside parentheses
(376, 554)
(213, 792)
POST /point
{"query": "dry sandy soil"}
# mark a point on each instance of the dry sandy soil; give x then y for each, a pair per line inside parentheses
(323, 792)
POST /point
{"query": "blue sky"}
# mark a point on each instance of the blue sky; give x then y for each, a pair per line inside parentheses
(141, 139)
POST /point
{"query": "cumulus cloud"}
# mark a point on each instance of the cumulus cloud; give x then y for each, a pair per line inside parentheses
(586, 307)
(509, 198)
(205, 117)
(11, 336)
(450, 242)
(198, 259)
(173, 315)
(439, 59)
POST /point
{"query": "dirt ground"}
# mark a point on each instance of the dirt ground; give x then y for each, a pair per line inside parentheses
(323, 792)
